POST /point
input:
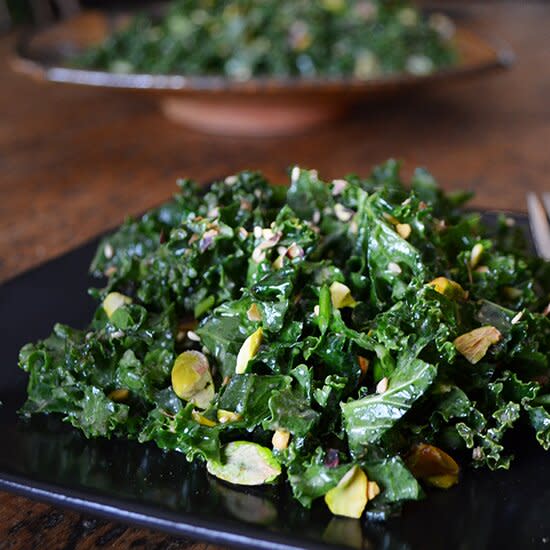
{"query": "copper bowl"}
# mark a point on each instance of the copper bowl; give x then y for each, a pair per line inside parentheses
(258, 107)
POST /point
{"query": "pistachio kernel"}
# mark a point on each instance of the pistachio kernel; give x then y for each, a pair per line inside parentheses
(341, 296)
(475, 255)
(225, 417)
(350, 496)
(450, 289)
(280, 439)
(113, 301)
(403, 230)
(474, 344)
(248, 350)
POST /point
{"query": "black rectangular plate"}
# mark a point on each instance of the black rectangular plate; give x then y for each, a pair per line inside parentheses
(47, 460)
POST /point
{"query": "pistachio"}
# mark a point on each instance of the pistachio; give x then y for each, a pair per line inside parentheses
(248, 350)
(113, 301)
(108, 251)
(192, 380)
(449, 288)
(258, 254)
(119, 396)
(245, 464)
(373, 490)
(475, 255)
(389, 218)
(477, 453)
(280, 439)
(408, 17)
(338, 186)
(202, 420)
(253, 313)
(517, 318)
(295, 251)
(442, 25)
(394, 268)
(341, 296)
(224, 417)
(350, 496)
(382, 386)
(193, 336)
(474, 344)
(403, 230)
(342, 213)
(279, 261)
(110, 271)
(433, 465)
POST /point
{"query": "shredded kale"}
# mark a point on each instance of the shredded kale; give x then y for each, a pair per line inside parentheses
(360, 323)
(241, 39)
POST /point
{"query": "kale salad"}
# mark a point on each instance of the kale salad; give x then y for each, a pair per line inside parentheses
(358, 340)
(240, 39)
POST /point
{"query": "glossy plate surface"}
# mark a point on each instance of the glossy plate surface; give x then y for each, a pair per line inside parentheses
(259, 106)
(48, 460)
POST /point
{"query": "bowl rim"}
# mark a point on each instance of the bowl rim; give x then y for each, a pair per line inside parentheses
(24, 61)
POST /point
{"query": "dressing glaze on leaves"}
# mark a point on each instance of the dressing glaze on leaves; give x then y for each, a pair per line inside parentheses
(360, 292)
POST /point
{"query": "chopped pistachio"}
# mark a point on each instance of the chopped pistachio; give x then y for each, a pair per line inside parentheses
(394, 268)
(475, 255)
(382, 386)
(295, 251)
(279, 262)
(280, 439)
(245, 463)
(389, 218)
(192, 379)
(517, 318)
(108, 251)
(403, 230)
(338, 186)
(248, 350)
(119, 396)
(350, 496)
(193, 336)
(342, 213)
(442, 25)
(202, 420)
(450, 289)
(253, 313)
(373, 490)
(224, 417)
(258, 254)
(474, 344)
(113, 301)
(433, 465)
(341, 296)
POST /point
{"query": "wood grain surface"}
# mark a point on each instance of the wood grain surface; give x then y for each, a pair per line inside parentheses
(75, 161)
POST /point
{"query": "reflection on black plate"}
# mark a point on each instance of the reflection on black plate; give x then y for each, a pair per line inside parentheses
(48, 460)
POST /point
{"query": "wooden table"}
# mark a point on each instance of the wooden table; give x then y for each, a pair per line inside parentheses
(75, 162)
